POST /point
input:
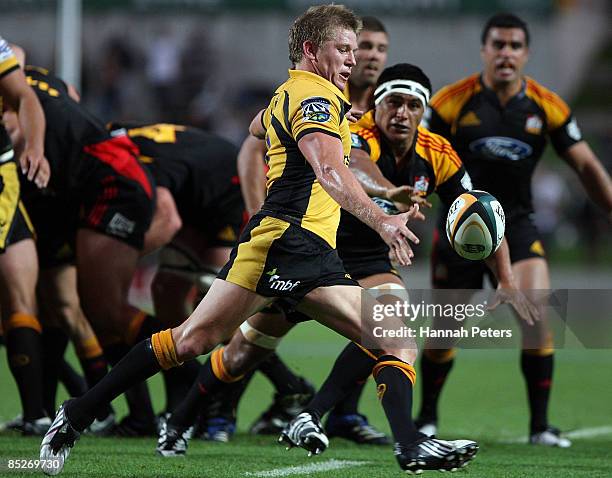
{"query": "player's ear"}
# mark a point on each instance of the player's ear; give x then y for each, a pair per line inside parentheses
(309, 50)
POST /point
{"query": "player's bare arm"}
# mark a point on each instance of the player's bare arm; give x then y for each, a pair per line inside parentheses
(251, 173)
(256, 128)
(324, 154)
(593, 175)
(508, 290)
(375, 184)
(21, 99)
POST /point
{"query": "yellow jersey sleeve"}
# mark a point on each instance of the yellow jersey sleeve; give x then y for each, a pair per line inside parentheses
(8, 61)
(318, 110)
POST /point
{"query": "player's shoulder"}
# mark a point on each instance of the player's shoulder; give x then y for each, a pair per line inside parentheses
(552, 104)
(366, 126)
(435, 148)
(457, 91)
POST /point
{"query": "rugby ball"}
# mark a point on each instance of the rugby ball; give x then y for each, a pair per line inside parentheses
(475, 225)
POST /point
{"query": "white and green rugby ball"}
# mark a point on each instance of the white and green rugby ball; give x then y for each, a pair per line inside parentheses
(475, 225)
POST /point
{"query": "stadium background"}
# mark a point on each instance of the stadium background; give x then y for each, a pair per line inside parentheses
(213, 63)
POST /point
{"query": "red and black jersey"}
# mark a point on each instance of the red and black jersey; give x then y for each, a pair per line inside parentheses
(198, 168)
(70, 127)
(501, 145)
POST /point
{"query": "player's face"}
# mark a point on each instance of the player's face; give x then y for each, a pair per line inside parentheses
(336, 57)
(371, 58)
(504, 55)
(398, 115)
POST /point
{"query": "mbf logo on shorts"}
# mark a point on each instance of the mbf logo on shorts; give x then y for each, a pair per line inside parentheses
(316, 109)
(120, 226)
(282, 285)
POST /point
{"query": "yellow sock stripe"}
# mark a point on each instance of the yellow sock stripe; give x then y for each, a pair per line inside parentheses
(88, 348)
(164, 349)
(218, 368)
(20, 320)
(547, 348)
(407, 369)
(366, 351)
(134, 327)
(440, 355)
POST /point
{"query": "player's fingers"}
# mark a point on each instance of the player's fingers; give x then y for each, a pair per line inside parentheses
(409, 235)
(403, 253)
(32, 167)
(421, 201)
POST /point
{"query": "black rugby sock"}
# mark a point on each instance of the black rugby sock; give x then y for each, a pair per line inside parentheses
(178, 381)
(538, 372)
(351, 369)
(54, 342)
(24, 351)
(284, 380)
(350, 403)
(433, 378)
(394, 390)
(74, 383)
(204, 386)
(139, 364)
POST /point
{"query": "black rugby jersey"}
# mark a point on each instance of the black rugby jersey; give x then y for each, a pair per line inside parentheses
(70, 127)
(500, 146)
(197, 167)
(433, 166)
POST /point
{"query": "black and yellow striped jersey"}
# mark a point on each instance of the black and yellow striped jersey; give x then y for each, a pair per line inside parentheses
(8, 63)
(304, 104)
(430, 166)
(501, 145)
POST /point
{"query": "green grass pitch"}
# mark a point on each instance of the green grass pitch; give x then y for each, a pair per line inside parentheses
(484, 400)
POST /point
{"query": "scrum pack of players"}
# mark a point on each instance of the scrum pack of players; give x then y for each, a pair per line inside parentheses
(117, 192)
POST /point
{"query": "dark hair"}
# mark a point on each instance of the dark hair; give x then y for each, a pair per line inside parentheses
(317, 25)
(372, 24)
(504, 20)
(404, 71)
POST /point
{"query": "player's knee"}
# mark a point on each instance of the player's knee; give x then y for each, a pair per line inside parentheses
(405, 355)
(194, 343)
(242, 359)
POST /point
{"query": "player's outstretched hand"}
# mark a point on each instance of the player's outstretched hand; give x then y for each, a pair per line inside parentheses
(405, 196)
(509, 294)
(35, 166)
(394, 232)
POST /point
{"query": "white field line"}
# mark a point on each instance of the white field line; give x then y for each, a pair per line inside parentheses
(307, 469)
(575, 434)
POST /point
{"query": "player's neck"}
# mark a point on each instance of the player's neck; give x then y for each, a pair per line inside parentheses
(361, 96)
(400, 150)
(504, 91)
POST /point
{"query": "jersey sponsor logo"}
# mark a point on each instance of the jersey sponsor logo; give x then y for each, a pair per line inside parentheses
(421, 184)
(534, 124)
(469, 119)
(573, 131)
(316, 109)
(120, 225)
(277, 283)
(501, 147)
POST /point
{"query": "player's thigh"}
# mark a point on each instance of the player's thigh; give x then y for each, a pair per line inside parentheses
(254, 341)
(378, 280)
(215, 319)
(105, 268)
(18, 275)
(348, 310)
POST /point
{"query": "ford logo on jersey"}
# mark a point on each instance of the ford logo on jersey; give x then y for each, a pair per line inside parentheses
(501, 147)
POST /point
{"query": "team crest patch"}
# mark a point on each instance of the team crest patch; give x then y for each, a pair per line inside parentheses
(355, 141)
(421, 184)
(534, 124)
(316, 109)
